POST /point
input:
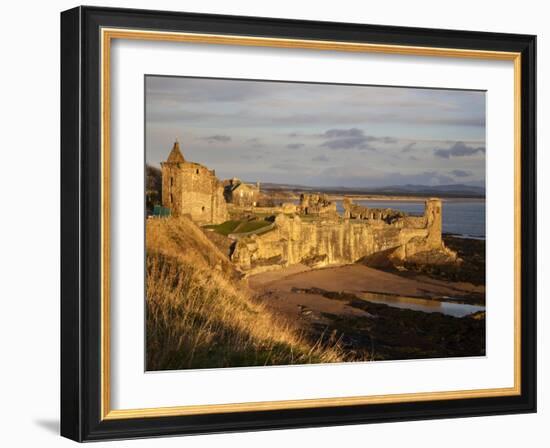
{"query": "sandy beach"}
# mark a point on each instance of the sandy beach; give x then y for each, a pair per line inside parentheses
(333, 303)
(355, 279)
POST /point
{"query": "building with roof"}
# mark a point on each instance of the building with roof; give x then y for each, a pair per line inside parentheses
(189, 188)
(241, 194)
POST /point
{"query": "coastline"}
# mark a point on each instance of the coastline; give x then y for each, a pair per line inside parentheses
(382, 198)
(465, 236)
(361, 308)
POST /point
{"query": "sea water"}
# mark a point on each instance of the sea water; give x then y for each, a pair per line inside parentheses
(464, 218)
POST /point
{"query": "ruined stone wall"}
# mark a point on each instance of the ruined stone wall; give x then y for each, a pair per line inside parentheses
(432, 223)
(317, 205)
(414, 222)
(355, 211)
(434, 219)
(171, 188)
(192, 189)
(321, 243)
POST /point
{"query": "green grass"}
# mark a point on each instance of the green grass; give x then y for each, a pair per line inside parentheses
(241, 226)
(250, 226)
(224, 228)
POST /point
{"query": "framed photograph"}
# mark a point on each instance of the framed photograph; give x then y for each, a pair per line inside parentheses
(274, 223)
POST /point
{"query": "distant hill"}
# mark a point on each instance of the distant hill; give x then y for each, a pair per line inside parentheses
(454, 190)
(451, 190)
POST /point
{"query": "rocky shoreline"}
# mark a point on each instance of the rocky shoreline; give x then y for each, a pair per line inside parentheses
(390, 333)
(471, 270)
(329, 306)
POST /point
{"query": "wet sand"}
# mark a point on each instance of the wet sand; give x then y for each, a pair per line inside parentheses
(330, 303)
(357, 278)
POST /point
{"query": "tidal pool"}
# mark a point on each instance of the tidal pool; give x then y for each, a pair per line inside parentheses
(425, 305)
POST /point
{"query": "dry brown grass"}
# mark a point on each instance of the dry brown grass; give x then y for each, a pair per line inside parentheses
(199, 315)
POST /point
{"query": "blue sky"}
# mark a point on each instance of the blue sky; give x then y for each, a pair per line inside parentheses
(319, 134)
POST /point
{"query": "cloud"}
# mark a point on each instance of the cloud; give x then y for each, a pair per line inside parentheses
(174, 90)
(339, 133)
(348, 143)
(408, 147)
(241, 128)
(288, 165)
(365, 177)
(295, 145)
(217, 138)
(461, 173)
(230, 103)
(320, 158)
(459, 149)
(255, 142)
(352, 138)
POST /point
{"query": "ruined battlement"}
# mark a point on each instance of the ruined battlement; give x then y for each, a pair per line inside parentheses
(311, 232)
(355, 211)
(316, 204)
(322, 243)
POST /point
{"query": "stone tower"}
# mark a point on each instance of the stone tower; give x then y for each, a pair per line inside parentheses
(433, 214)
(189, 188)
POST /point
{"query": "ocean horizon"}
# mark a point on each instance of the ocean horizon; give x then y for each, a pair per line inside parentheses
(462, 218)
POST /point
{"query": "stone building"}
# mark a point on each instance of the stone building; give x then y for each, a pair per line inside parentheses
(317, 205)
(241, 194)
(189, 188)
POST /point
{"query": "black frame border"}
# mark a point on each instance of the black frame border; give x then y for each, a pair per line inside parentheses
(81, 223)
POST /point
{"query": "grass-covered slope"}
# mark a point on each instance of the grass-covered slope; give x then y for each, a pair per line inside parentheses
(200, 315)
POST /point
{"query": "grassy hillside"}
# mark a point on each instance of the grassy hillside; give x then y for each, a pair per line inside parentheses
(200, 315)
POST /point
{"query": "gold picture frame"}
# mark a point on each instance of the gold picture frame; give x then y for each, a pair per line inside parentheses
(108, 30)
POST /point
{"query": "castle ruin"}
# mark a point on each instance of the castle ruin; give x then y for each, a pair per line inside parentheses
(190, 188)
(355, 211)
(317, 205)
(327, 242)
(311, 232)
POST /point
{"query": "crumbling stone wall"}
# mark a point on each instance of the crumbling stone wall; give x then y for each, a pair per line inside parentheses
(189, 188)
(322, 242)
(317, 205)
(355, 211)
